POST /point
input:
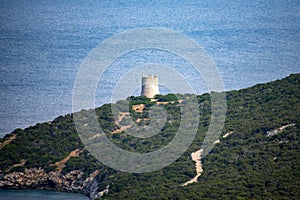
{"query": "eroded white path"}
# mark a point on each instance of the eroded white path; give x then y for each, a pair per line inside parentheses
(196, 156)
(279, 130)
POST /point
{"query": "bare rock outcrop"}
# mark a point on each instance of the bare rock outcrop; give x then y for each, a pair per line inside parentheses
(37, 178)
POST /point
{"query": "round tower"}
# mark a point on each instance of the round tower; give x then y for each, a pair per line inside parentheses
(149, 86)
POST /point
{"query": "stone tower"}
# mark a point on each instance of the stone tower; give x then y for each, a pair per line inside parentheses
(149, 86)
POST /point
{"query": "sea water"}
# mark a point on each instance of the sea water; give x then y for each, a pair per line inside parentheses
(39, 195)
(43, 43)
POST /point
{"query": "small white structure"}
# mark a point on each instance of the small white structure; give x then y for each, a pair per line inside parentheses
(149, 86)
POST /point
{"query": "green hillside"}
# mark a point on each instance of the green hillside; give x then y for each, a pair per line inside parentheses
(257, 155)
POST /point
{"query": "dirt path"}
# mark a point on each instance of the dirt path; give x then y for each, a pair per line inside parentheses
(138, 108)
(227, 134)
(121, 129)
(22, 163)
(95, 136)
(61, 164)
(196, 156)
(167, 102)
(279, 130)
(121, 116)
(6, 142)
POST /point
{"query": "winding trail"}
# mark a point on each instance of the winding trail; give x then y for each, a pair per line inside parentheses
(6, 142)
(196, 156)
(22, 163)
(279, 130)
(61, 164)
(121, 116)
(122, 128)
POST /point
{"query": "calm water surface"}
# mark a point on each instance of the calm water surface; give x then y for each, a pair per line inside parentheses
(43, 43)
(38, 195)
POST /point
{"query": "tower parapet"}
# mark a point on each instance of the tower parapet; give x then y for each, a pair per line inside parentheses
(149, 86)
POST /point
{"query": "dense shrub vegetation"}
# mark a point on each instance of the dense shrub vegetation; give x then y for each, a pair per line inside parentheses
(245, 165)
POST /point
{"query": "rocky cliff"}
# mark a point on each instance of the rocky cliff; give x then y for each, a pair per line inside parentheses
(37, 178)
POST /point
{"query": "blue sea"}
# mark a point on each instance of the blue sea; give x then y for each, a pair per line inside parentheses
(39, 195)
(44, 42)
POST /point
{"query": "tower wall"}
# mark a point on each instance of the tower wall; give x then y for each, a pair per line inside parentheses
(149, 86)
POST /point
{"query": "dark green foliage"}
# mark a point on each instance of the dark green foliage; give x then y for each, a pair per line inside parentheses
(17, 169)
(42, 144)
(245, 165)
(139, 100)
(166, 98)
(84, 162)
